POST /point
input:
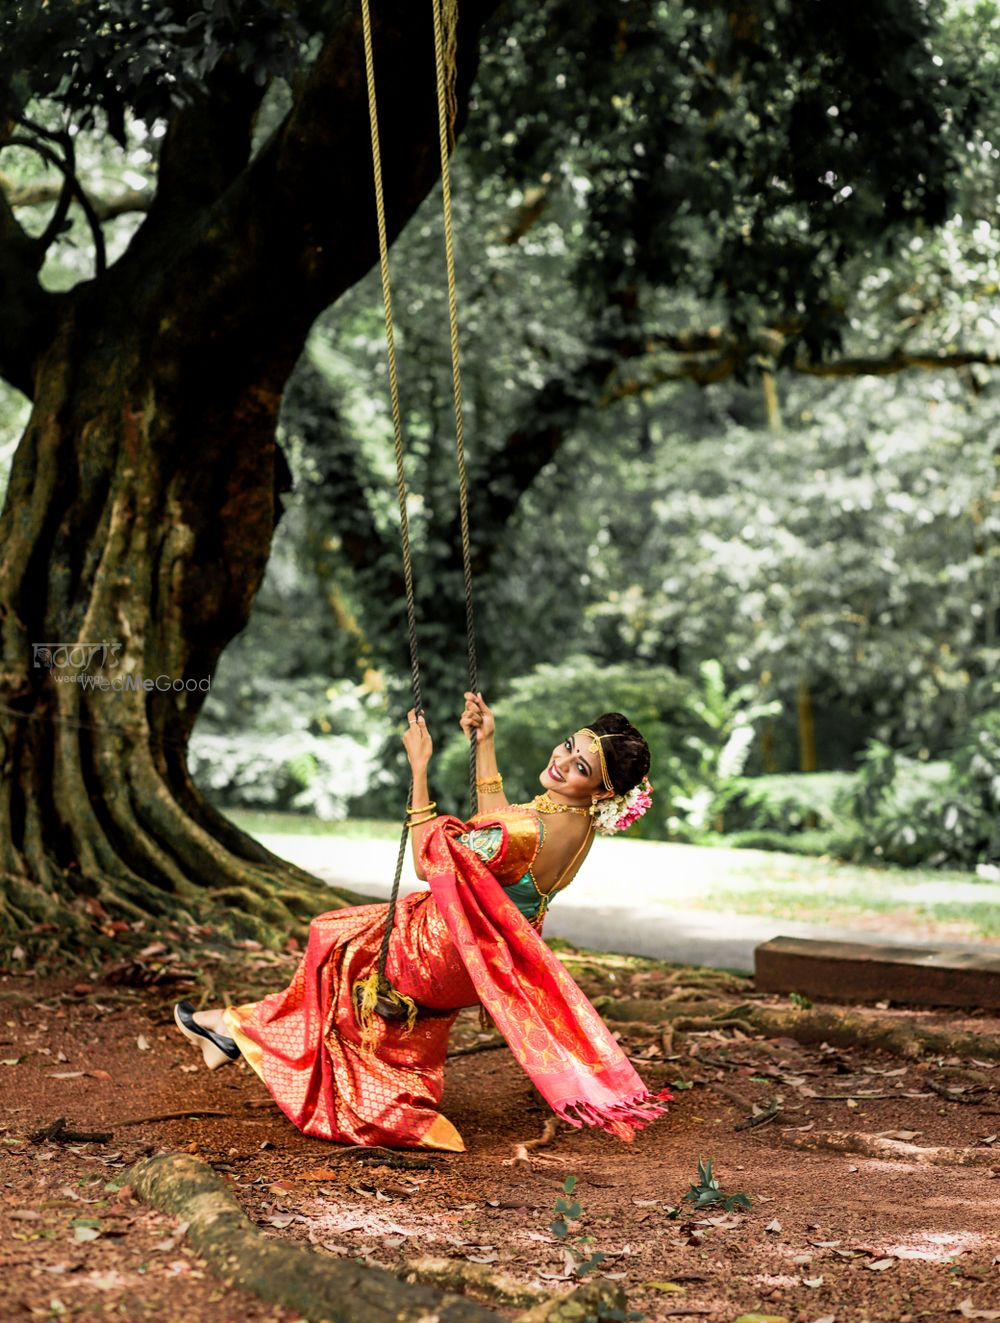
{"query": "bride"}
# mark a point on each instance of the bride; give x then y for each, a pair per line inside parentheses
(340, 1072)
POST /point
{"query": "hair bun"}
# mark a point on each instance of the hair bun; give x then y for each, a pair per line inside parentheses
(627, 756)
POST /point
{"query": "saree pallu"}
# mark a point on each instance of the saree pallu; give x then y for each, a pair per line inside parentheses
(461, 943)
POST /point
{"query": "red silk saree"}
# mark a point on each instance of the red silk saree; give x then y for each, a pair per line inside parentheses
(460, 943)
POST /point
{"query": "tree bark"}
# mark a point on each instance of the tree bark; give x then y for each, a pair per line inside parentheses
(145, 492)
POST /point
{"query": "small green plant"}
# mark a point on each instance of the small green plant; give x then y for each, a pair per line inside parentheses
(797, 1000)
(568, 1210)
(707, 1193)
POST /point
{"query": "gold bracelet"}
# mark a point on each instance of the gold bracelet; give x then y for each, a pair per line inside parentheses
(420, 822)
(433, 804)
(490, 785)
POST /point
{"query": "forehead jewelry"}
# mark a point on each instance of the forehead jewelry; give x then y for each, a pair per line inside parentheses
(596, 746)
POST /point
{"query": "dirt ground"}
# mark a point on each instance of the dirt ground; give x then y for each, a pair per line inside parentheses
(828, 1236)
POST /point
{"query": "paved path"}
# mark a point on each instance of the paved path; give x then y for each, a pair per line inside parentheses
(631, 896)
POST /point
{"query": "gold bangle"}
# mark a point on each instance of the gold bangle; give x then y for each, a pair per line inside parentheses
(423, 807)
(490, 785)
(421, 822)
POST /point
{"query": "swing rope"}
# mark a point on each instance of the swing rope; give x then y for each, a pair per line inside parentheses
(445, 49)
(376, 994)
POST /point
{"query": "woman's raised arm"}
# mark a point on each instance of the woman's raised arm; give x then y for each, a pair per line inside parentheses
(489, 783)
(421, 810)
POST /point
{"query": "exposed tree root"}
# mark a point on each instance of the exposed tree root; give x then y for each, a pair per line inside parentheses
(521, 1151)
(590, 1303)
(337, 1290)
(840, 1028)
(476, 1279)
(874, 1146)
(286, 1274)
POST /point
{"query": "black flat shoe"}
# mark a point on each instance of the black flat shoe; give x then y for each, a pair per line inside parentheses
(217, 1049)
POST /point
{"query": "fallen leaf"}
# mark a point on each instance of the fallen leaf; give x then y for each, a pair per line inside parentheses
(761, 1318)
(281, 1221)
(142, 1043)
(317, 1174)
(812, 1282)
(774, 1225)
(81, 1234)
(668, 1288)
(905, 1135)
(112, 1280)
(67, 1075)
(968, 1310)
(11, 1061)
(880, 1265)
(98, 1074)
(26, 1215)
(827, 1318)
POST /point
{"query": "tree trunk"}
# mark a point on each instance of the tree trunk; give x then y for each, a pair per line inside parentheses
(807, 728)
(137, 520)
(144, 494)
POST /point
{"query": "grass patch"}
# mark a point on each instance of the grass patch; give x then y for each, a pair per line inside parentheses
(840, 906)
(301, 824)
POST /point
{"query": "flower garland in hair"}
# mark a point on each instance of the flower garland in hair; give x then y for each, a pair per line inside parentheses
(620, 811)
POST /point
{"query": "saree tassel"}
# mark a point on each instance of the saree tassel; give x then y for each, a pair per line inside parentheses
(619, 1119)
(375, 995)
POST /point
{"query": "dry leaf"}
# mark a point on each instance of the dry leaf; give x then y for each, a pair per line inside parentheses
(668, 1288)
(762, 1318)
(880, 1265)
(98, 1074)
(968, 1310)
(26, 1215)
(281, 1221)
(905, 1135)
(775, 1225)
(112, 1280)
(812, 1282)
(67, 1075)
(81, 1234)
(142, 1043)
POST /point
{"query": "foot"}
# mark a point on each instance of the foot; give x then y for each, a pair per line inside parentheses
(216, 1049)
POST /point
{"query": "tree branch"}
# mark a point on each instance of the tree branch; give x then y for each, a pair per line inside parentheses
(41, 194)
(706, 357)
(66, 165)
(297, 227)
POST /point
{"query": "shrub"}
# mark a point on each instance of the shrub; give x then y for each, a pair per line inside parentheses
(541, 708)
(943, 814)
(312, 747)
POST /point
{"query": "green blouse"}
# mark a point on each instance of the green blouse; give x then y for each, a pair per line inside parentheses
(532, 903)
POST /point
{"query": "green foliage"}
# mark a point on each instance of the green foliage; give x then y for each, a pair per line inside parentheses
(570, 1210)
(784, 803)
(311, 748)
(143, 57)
(748, 164)
(730, 716)
(800, 842)
(706, 1192)
(540, 709)
(950, 819)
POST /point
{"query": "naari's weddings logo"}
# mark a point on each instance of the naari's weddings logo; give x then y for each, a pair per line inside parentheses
(85, 663)
(77, 657)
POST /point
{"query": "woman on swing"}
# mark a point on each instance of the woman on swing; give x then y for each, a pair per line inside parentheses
(341, 1072)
